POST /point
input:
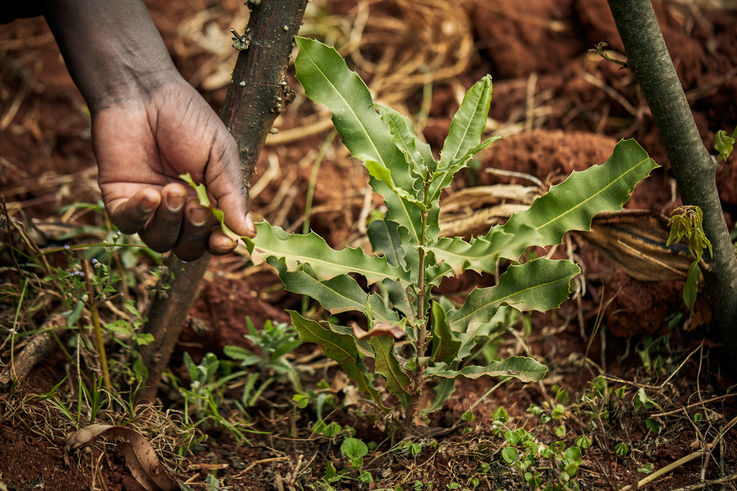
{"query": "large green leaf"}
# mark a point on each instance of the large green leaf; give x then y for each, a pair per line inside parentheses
(520, 367)
(444, 345)
(468, 123)
(339, 347)
(572, 204)
(539, 285)
(443, 390)
(417, 153)
(326, 262)
(341, 293)
(387, 365)
(569, 206)
(328, 80)
(385, 239)
(479, 254)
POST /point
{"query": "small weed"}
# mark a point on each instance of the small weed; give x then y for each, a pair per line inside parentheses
(273, 342)
(205, 399)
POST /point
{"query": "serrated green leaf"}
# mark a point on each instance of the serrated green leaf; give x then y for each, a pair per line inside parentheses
(339, 347)
(416, 152)
(468, 122)
(539, 285)
(444, 345)
(572, 204)
(296, 249)
(341, 293)
(435, 272)
(520, 367)
(387, 365)
(480, 253)
(327, 80)
(385, 239)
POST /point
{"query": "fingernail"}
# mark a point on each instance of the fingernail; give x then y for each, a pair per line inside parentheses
(175, 202)
(147, 206)
(198, 217)
(249, 225)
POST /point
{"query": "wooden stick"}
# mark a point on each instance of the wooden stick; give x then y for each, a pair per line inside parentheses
(257, 93)
(34, 351)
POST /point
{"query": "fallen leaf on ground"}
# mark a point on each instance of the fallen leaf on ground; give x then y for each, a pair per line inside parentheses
(139, 454)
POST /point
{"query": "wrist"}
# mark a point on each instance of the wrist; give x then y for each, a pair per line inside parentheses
(112, 49)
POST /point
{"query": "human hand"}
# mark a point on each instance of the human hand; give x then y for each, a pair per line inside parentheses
(143, 143)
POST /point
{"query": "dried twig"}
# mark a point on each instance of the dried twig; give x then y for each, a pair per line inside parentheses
(683, 460)
(34, 351)
(250, 108)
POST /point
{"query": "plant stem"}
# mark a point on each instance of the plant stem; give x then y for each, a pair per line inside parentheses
(14, 330)
(96, 325)
(692, 166)
(419, 373)
(313, 179)
(256, 95)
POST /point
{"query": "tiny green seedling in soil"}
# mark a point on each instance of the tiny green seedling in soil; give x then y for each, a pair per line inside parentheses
(686, 222)
(274, 341)
(205, 396)
(410, 257)
(724, 143)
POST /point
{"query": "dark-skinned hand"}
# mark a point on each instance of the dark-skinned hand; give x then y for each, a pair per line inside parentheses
(143, 144)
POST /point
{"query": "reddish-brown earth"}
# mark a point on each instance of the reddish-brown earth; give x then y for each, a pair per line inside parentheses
(562, 109)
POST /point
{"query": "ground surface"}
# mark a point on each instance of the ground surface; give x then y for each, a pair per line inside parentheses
(559, 108)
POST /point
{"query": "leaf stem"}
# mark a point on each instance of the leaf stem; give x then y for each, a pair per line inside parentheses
(313, 179)
(421, 325)
(96, 324)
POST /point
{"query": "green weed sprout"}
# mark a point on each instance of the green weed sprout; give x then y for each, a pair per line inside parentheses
(686, 222)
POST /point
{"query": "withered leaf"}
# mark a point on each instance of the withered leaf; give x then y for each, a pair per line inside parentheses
(379, 329)
(139, 454)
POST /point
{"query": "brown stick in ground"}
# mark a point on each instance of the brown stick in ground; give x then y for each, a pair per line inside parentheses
(257, 93)
(36, 350)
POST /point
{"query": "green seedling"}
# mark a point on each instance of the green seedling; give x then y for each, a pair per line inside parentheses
(320, 398)
(723, 143)
(274, 342)
(410, 257)
(686, 222)
(205, 395)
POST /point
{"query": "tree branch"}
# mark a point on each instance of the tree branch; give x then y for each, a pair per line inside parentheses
(257, 93)
(693, 167)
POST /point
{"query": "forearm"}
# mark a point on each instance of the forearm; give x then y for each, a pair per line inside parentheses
(111, 47)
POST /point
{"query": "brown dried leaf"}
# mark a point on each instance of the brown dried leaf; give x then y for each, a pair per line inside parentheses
(483, 196)
(379, 329)
(472, 211)
(140, 456)
(635, 240)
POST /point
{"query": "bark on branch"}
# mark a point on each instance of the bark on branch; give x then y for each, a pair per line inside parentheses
(693, 167)
(257, 93)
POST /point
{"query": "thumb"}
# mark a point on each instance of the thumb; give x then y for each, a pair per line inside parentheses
(224, 181)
